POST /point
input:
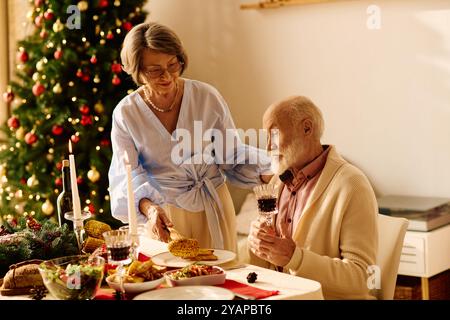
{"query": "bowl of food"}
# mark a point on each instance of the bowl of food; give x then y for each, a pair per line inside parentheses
(73, 277)
(196, 274)
(139, 277)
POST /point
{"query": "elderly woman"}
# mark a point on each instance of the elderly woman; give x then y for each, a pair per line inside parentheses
(183, 191)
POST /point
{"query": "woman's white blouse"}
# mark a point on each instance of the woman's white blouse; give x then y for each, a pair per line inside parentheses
(172, 169)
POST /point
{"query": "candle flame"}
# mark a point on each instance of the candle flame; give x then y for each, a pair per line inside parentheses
(70, 146)
(127, 160)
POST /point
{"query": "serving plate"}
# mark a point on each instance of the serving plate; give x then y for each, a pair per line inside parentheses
(134, 287)
(187, 293)
(169, 260)
(218, 277)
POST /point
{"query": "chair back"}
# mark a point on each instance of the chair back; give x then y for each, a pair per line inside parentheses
(391, 234)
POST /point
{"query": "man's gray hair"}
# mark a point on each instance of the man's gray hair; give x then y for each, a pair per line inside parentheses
(298, 108)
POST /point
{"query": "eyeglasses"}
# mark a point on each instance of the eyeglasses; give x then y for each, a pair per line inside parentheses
(156, 72)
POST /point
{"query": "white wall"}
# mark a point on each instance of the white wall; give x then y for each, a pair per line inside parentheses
(385, 94)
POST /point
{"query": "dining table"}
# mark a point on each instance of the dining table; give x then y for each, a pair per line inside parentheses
(286, 286)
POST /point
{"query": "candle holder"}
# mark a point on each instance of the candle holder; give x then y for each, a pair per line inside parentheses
(78, 226)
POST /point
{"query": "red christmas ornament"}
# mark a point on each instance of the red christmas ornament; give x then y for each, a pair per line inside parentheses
(110, 35)
(13, 122)
(23, 181)
(84, 109)
(57, 130)
(79, 73)
(59, 166)
(116, 80)
(58, 182)
(30, 138)
(38, 3)
(91, 208)
(49, 15)
(8, 96)
(127, 26)
(43, 34)
(86, 120)
(75, 138)
(93, 59)
(105, 142)
(85, 78)
(103, 3)
(80, 180)
(116, 68)
(22, 56)
(38, 89)
(58, 54)
(38, 20)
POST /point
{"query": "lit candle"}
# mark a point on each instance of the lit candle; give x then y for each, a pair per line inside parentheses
(131, 207)
(73, 183)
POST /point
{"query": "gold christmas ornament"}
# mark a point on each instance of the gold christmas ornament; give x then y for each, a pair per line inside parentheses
(32, 181)
(47, 208)
(50, 157)
(35, 76)
(117, 3)
(29, 166)
(93, 175)
(57, 88)
(99, 107)
(20, 133)
(40, 65)
(83, 5)
(96, 79)
(58, 26)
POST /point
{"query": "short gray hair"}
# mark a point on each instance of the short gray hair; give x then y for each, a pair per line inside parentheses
(298, 108)
(149, 35)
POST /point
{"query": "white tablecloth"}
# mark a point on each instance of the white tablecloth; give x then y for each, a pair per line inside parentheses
(289, 287)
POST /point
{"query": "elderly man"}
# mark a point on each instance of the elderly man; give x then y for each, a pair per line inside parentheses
(326, 227)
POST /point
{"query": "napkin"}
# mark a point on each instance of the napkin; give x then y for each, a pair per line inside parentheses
(247, 290)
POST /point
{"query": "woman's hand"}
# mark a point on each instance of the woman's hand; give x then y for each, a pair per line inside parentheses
(158, 222)
(265, 178)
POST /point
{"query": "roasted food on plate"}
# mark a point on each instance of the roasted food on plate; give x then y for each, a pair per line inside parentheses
(139, 271)
(184, 248)
(195, 270)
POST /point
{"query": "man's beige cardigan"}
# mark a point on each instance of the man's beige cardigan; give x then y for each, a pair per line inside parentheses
(337, 235)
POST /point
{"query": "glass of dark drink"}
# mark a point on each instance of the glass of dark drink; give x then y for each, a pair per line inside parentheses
(118, 245)
(267, 196)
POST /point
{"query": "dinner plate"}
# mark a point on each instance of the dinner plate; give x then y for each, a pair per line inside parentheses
(169, 260)
(136, 287)
(187, 293)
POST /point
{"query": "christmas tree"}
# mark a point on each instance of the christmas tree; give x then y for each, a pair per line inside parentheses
(69, 79)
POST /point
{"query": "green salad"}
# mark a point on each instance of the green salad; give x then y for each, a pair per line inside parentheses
(76, 280)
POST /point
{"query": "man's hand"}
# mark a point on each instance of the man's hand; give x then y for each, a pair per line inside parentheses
(157, 220)
(264, 243)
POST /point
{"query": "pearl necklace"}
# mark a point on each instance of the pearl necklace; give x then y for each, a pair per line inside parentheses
(147, 97)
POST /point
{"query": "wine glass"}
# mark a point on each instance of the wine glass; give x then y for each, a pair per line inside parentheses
(118, 245)
(267, 195)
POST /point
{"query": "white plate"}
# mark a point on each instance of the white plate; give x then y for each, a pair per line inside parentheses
(169, 260)
(137, 287)
(187, 293)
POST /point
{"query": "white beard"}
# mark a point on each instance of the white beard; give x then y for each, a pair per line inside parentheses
(277, 166)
